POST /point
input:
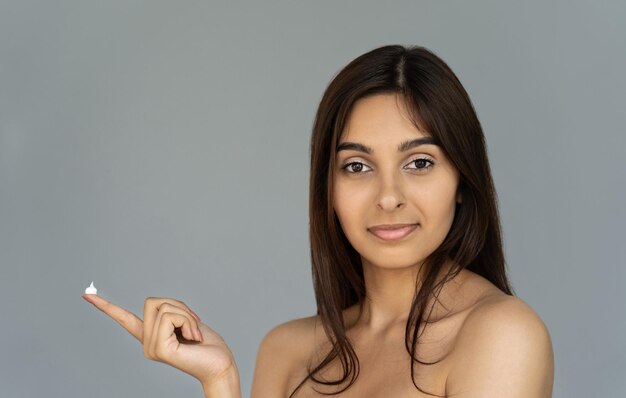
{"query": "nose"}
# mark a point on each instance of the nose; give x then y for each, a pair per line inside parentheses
(391, 195)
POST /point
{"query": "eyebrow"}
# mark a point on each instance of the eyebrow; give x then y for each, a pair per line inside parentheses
(403, 147)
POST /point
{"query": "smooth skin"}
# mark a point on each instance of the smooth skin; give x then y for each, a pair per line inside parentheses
(172, 333)
(499, 347)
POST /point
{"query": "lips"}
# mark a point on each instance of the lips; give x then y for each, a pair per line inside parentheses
(392, 231)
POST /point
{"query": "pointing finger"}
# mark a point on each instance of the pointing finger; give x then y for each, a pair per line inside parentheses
(126, 319)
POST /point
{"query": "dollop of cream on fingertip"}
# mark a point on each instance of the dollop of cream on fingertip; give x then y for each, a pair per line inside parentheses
(91, 289)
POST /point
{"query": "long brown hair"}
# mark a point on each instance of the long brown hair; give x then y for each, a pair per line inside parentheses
(438, 104)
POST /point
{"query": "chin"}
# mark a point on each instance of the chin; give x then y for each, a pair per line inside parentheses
(394, 261)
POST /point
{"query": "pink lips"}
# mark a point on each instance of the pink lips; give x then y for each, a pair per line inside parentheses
(393, 231)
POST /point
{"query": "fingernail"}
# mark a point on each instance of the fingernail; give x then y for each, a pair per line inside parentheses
(199, 335)
(195, 315)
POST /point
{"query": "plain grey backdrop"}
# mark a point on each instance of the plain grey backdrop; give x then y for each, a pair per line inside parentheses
(160, 148)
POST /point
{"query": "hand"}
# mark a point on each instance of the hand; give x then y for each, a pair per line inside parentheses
(173, 334)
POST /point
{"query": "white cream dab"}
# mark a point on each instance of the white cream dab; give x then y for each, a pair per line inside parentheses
(91, 289)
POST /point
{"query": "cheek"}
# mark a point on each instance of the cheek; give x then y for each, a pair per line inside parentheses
(443, 209)
(350, 206)
(340, 201)
(435, 202)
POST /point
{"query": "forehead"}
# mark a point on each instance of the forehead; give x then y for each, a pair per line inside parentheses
(380, 118)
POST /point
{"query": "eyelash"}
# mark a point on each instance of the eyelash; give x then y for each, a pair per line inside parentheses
(430, 164)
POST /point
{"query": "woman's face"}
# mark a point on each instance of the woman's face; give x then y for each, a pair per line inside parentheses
(383, 177)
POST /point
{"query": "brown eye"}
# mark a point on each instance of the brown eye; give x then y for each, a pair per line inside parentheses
(354, 168)
(421, 164)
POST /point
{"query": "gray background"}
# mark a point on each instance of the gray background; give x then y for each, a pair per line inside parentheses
(161, 149)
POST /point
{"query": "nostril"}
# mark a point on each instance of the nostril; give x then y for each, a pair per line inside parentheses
(390, 202)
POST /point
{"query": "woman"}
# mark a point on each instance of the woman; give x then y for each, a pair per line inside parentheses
(408, 266)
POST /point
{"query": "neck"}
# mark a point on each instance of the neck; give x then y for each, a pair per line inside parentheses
(389, 295)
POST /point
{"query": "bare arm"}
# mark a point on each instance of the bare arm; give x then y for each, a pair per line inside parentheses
(172, 333)
(227, 387)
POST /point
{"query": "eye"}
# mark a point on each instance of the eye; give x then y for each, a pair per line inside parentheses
(354, 168)
(421, 164)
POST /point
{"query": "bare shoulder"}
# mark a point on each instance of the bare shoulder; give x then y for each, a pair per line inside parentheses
(503, 349)
(283, 349)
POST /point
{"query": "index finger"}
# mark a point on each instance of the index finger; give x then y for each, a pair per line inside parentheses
(129, 321)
